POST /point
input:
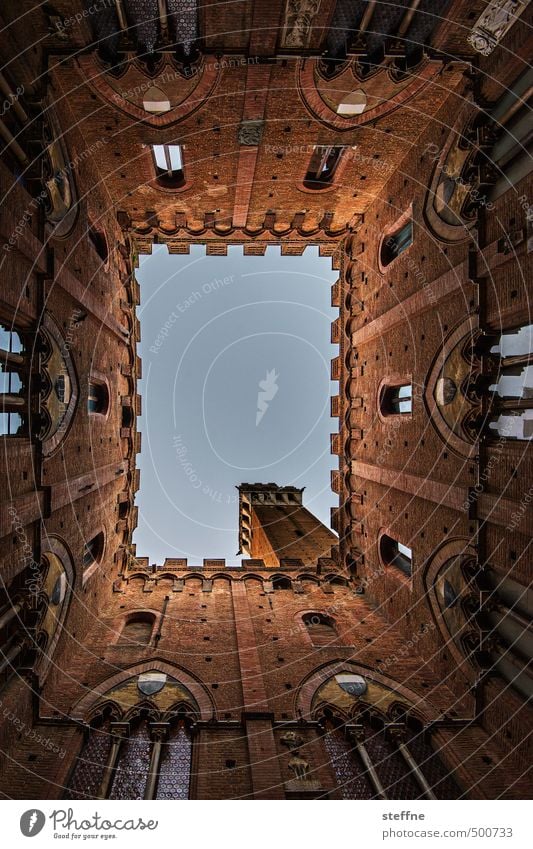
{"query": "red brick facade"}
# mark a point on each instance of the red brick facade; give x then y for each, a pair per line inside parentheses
(426, 214)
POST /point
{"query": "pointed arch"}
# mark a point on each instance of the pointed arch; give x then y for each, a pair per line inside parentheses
(199, 692)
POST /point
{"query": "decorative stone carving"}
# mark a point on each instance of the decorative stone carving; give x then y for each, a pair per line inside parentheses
(299, 17)
(250, 133)
(494, 23)
(299, 766)
(292, 740)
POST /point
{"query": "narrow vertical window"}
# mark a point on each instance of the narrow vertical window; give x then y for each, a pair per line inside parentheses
(397, 400)
(93, 550)
(88, 773)
(168, 161)
(98, 398)
(396, 243)
(129, 781)
(395, 553)
(175, 765)
(99, 242)
(351, 778)
(324, 162)
(13, 403)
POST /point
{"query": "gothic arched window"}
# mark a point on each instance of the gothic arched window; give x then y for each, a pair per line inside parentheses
(139, 759)
(131, 773)
(506, 619)
(352, 779)
(175, 765)
(88, 774)
(375, 759)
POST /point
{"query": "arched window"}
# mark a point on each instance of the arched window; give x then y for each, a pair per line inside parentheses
(88, 774)
(137, 630)
(353, 104)
(396, 400)
(168, 162)
(506, 619)
(352, 778)
(131, 772)
(394, 553)
(514, 425)
(135, 760)
(175, 765)
(375, 760)
(93, 551)
(99, 242)
(320, 628)
(322, 166)
(281, 583)
(98, 397)
(396, 243)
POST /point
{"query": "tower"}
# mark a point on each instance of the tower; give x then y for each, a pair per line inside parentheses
(275, 526)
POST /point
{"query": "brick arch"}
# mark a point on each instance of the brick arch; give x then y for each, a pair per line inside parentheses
(309, 686)
(55, 545)
(455, 441)
(221, 576)
(87, 703)
(251, 576)
(458, 547)
(52, 441)
(207, 82)
(443, 230)
(319, 109)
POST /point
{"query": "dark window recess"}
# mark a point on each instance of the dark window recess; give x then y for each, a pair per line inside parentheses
(396, 243)
(321, 628)
(98, 399)
(324, 162)
(394, 553)
(99, 243)
(93, 550)
(396, 400)
(127, 416)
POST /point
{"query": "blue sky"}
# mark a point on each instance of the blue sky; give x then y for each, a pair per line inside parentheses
(236, 362)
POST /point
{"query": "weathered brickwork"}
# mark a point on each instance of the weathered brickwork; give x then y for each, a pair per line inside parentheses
(410, 622)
